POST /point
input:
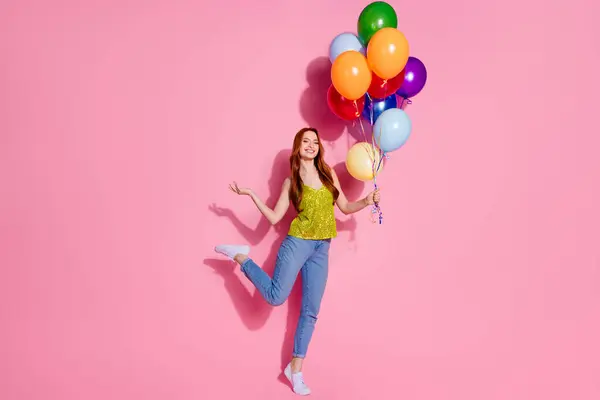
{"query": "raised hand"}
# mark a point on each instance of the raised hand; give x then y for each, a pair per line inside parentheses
(240, 190)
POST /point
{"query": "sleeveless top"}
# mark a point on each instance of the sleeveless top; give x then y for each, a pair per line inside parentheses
(316, 220)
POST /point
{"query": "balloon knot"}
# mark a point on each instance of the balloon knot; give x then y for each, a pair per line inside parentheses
(356, 113)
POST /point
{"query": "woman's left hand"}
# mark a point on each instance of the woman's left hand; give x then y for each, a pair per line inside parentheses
(373, 197)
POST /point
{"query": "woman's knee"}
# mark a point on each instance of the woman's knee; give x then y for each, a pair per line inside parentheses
(276, 299)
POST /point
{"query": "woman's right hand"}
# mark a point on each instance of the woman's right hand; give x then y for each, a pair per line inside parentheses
(240, 190)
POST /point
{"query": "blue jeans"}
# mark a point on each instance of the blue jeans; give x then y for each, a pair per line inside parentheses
(311, 257)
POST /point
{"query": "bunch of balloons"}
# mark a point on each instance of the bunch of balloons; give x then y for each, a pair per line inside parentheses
(373, 78)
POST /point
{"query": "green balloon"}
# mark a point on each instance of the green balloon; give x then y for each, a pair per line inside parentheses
(375, 16)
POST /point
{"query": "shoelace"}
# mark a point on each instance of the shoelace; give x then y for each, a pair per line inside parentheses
(299, 381)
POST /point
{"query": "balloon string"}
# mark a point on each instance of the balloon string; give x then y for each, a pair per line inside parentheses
(370, 108)
(356, 112)
(385, 92)
(405, 102)
(362, 129)
(376, 209)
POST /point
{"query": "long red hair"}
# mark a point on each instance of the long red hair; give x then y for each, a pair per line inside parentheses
(323, 169)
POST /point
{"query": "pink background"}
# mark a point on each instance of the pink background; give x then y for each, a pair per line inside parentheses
(122, 122)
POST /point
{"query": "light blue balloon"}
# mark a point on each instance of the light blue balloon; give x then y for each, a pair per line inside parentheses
(392, 129)
(344, 42)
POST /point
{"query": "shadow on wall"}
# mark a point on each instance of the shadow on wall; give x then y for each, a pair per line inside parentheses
(252, 309)
(313, 102)
(353, 188)
(361, 130)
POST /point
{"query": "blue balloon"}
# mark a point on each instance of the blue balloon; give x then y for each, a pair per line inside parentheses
(374, 107)
(392, 129)
(344, 42)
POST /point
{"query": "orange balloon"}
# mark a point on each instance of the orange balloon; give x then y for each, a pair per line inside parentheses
(350, 75)
(388, 52)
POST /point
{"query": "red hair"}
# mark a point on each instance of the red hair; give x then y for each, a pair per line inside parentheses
(323, 169)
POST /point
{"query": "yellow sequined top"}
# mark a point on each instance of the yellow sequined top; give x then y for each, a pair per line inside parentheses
(316, 220)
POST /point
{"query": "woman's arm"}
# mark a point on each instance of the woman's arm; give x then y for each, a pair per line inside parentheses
(272, 215)
(348, 207)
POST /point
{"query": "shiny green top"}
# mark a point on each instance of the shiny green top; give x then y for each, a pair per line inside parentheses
(316, 220)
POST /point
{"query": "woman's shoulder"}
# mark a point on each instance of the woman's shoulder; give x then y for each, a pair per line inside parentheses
(333, 173)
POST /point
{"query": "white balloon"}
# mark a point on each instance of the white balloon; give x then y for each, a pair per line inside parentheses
(344, 42)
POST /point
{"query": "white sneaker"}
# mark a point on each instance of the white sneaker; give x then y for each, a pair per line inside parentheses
(297, 381)
(232, 250)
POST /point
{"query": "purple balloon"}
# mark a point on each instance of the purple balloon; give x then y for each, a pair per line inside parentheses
(415, 76)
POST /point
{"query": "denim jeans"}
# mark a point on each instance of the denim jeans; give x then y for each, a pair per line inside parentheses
(311, 258)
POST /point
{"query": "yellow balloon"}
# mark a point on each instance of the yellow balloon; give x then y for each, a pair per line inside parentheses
(361, 161)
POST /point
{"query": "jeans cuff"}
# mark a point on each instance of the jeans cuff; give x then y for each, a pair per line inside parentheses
(296, 355)
(243, 263)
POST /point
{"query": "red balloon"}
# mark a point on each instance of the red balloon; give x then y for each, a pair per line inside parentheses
(382, 88)
(342, 107)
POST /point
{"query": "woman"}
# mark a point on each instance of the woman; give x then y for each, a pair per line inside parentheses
(313, 188)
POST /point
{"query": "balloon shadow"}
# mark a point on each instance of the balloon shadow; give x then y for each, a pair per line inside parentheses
(313, 101)
(353, 188)
(253, 310)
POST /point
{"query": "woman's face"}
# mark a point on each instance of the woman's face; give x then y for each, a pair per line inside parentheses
(309, 147)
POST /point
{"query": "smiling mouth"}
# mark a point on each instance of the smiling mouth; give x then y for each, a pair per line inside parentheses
(309, 151)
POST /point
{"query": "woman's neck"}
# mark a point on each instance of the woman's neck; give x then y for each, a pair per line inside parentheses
(307, 167)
